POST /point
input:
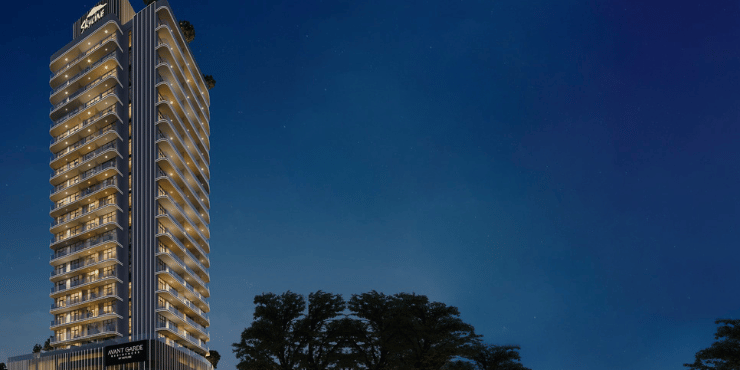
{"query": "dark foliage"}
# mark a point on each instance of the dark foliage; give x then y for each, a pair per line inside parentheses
(36, 348)
(381, 332)
(47, 345)
(188, 31)
(213, 357)
(3, 366)
(724, 354)
(210, 82)
(147, 2)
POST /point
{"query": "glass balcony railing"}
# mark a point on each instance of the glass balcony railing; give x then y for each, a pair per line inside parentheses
(84, 192)
(82, 125)
(182, 281)
(184, 317)
(84, 245)
(94, 224)
(199, 196)
(80, 161)
(87, 331)
(189, 238)
(84, 89)
(83, 281)
(85, 175)
(201, 143)
(163, 230)
(83, 55)
(202, 178)
(186, 217)
(185, 91)
(91, 296)
(184, 300)
(91, 260)
(198, 81)
(84, 210)
(104, 59)
(82, 317)
(82, 107)
(163, 249)
(83, 141)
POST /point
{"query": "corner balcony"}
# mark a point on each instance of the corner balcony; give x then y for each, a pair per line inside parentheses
(93, 46)
(95, 297)
(184, 288)
(74, 199)
(195, 160)
(166, 237)
(87, 333)
(76, 118)
(172, 92)
(182, 269)
(83, 165)
(169, 150)
(168, 224)
(86, 231)
(168, 67)
(89, 263)
(87, 282)
(93, 140)
(183, 337)
(183, 304)
(93, 245)
(173, 314)
(86, 318)
(166, 107)
(93, 70)
(168, 166)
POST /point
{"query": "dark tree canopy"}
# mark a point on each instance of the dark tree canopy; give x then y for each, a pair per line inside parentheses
(3, 366)
(36, 348)
(492, 357)
(147, 2)
(724, 354)
(378, 332)
(188, 31)
(272, 341)
(210, 82)
(213, 357)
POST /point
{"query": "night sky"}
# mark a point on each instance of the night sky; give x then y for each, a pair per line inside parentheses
(565, 173)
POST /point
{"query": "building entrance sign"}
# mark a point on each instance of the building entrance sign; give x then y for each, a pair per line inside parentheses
(125, 353)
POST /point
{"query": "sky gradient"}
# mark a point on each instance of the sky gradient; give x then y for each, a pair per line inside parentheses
(566, 174)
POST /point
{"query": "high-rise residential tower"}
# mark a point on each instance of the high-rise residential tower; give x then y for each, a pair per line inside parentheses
(130, 184)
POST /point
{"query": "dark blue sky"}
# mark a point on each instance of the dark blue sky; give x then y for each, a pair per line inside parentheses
(565, 173)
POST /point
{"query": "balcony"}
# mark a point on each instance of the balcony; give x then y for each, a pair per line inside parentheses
(107, 62)
(197, 231)
(173, 72)
(100, 172)
(167, 238)
(170, 225)
(86, 265)
(92, 297)
(69, 202)
(195, 159)
(84, 214)
(166, 19)
(107, 97)
(189, 339)
(87, 230)
(103, 83)
(70, 252)
(168, 166)
(168, 149)
(167, 108)
(94, 139)
(84, 318)
(172, 260)
(174, 91)
(87, 282)
(173, 278)
(96, 44)
(164, 43)
(84, 164)
(87, 333)
(189, 307)
(172, 312)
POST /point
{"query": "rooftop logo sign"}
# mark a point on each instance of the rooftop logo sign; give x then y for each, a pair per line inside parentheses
(93, 16)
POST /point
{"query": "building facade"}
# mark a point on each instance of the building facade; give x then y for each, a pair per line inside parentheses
(130, 184)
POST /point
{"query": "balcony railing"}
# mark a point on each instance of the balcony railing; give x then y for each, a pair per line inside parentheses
(84, 228)
(84, 158)
(165, 250)
(184, 300)
(163, 230)
(83, 55)
(190, 239)
(165, 117)
(197, 195)
(185, 216)
(83, 141)
(104, 59)
(83, 281)
(87, 262)
(181, 333)
(189, 117)
(90, 103)
(91, 172)
(82, 124)
(184, 317)
(84, 192)
(201, 82)
(85, 210)
(182, 281)
(82, 317)
(87, 331)
(69, 303)
(87, 244)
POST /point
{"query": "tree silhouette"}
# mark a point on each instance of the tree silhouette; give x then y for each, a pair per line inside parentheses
(47, 344)
(724, 354)
(36, 348)
(213, 357)
(188, 31)
(210, 82)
